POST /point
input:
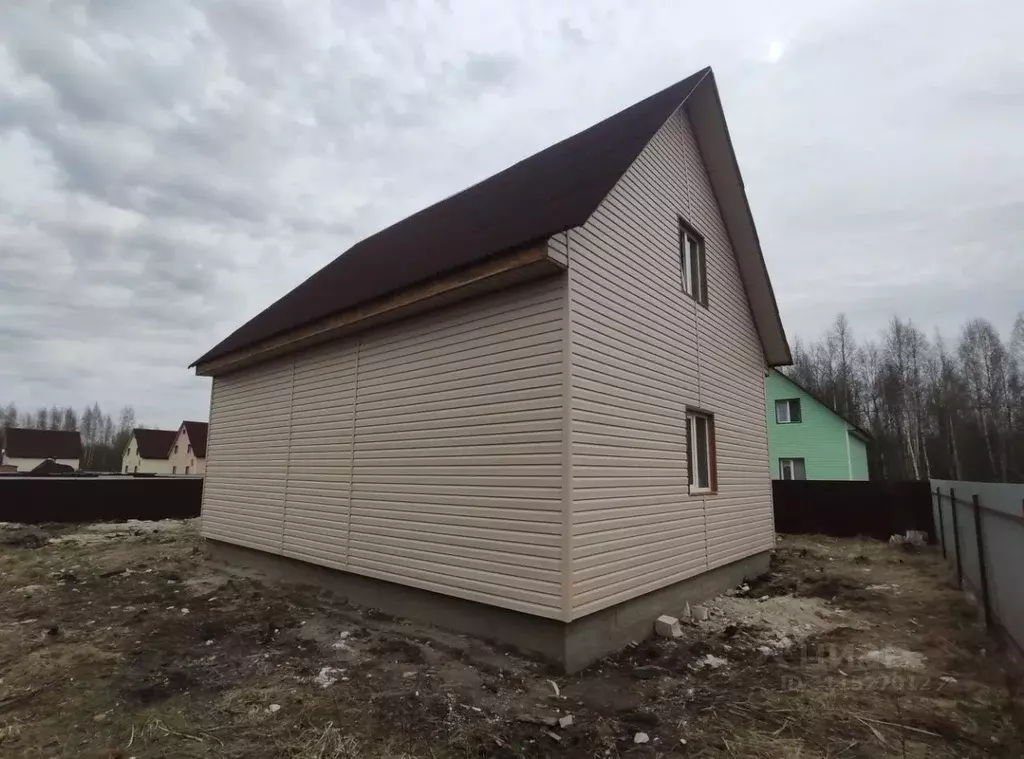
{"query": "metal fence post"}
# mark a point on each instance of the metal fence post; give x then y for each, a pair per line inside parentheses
(942, 529)
(956, 539)
(982, 573)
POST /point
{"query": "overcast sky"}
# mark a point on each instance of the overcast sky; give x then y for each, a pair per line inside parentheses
(167, 169)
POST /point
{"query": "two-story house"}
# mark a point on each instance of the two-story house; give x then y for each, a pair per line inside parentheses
(187, 454)
(807, 440)
(25, 448)
(533, 411)
(147, 451)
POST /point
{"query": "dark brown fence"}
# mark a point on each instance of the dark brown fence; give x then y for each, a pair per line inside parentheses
(876, 509)
(33, 500)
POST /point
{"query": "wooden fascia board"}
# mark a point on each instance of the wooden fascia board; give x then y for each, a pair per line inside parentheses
(505, 270)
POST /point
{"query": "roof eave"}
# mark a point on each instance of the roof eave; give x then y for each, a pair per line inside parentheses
(533, 261)
(712, 131)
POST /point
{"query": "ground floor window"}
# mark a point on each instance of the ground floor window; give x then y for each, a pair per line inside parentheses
(174, 470)
(700, 431)
(792, 469)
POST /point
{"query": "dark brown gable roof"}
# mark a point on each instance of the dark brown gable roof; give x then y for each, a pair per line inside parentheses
(197, 437)
(554, 190)
(22, 443)
(154, 444)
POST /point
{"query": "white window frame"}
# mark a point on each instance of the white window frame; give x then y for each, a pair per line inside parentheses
(688, 241)
(693, 451)
(786, 403)
(792, 464)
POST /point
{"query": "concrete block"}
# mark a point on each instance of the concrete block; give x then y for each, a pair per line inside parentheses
(667, 627)
(700, 613)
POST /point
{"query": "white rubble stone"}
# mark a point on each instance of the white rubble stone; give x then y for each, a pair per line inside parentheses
(667, 627)
(700, 613)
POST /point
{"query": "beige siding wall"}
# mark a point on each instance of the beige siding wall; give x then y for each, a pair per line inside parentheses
(132, 462)
(247, 456)
(427, 452)
(642, 351)
(183, 458)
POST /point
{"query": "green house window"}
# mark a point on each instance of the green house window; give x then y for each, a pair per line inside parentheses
(792, 469)
(788, 411)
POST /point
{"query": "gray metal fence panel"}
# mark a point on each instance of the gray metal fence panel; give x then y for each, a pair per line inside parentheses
(1004, 557)
(968, 543)
(1002, 528)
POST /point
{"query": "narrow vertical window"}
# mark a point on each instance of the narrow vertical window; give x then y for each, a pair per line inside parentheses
(692, 264)
(701, 443)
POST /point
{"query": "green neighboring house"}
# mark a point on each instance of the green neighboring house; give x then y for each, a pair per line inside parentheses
(809, 441)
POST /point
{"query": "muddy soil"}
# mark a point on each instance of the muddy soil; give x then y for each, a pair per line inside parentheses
(123, 641)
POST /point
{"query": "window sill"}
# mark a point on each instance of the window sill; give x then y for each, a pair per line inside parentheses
(702, 491)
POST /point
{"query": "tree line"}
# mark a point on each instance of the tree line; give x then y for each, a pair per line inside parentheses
(103, 439)
(949, 410)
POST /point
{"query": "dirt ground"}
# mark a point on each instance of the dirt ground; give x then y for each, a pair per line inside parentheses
(120, 640)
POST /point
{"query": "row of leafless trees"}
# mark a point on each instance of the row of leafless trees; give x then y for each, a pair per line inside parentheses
(950, 411)
(103, 439)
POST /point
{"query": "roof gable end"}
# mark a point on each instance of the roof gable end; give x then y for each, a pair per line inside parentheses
(554, 190)
(153, 444)
(851, 426)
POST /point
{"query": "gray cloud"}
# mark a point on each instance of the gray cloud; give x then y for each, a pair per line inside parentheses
(171, 168)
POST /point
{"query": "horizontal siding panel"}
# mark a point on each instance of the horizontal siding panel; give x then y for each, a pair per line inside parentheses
(426, 452)
(610, 594)
(246, 461)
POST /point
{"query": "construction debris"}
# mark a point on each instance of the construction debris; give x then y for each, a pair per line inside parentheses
(667, 627)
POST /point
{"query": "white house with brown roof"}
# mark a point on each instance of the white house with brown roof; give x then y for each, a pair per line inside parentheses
(187, 453)
(147, 451)
(25, 448)
(533, 411)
